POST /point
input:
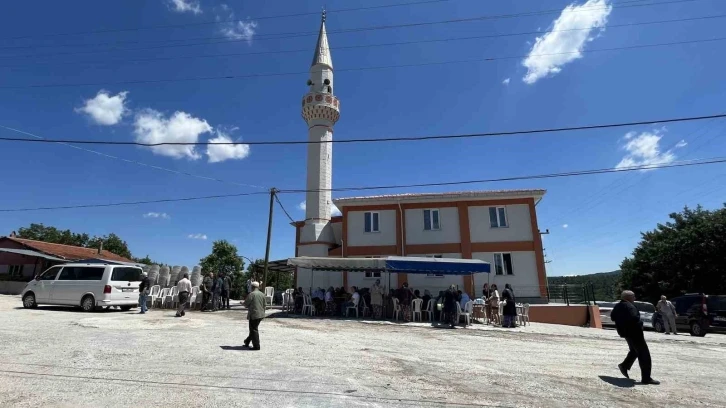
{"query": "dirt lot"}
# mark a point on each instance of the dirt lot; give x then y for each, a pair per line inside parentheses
(65, 358)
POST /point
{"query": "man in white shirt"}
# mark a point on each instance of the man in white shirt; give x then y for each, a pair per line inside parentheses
(354, 299)
(184, 288)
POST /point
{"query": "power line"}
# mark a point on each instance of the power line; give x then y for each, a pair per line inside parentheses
(283, 208)
(278, 36)
(714, 160)
(386, 139)
(153, 166)
(422, 64)
(315, 13)
(352, 47)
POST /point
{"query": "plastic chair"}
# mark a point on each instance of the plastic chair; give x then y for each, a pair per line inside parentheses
(416, 307)
(153, 294)
(525, 315)
(162, 295)
(396, 309)
(429, 310)
(193, 297)
(365, 308)
(269, 293)
(308, 304)
(500, 313)
(285, 301)
(461, 313)
(355, 307)
(169, 298)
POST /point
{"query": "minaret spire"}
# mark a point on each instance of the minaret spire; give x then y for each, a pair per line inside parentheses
(322, 49)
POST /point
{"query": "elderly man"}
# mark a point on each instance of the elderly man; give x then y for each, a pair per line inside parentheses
(255, 304)
(627, 321)
(184, 289)
(668, 314)
(144, 288)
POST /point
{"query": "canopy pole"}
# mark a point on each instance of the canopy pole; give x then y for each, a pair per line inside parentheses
(473, 287)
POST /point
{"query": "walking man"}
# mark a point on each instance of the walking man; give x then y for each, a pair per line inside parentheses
(225, 290)
(255, 304)
(144, 292)
(627, 321)
(668, 313)
(184, 288)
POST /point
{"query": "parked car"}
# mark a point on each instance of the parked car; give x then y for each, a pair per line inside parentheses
(645, 309)
(698, 313)
(86, 285)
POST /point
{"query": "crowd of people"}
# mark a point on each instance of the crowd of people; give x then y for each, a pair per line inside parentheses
(336, 301)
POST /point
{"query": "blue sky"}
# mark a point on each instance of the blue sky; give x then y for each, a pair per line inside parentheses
(594, 221)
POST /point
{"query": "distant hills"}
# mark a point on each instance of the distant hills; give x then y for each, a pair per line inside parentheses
(605, 284)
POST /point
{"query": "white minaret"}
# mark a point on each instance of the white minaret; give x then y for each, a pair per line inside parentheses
(321, 110)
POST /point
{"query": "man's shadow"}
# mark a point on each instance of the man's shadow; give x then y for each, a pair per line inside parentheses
(618, 381)
(234, 348)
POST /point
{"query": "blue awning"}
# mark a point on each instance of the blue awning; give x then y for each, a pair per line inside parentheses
(439, 266)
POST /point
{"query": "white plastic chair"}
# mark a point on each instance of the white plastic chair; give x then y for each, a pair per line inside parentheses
(355, 307)
(153, 294)
(308, 304)
(464, 313)
(269, 294)
(366, 310)
(285, 301)
(396, 309)
(416, 307)
(193, 297)
(500, 312)
(160, 299)
(169, 298)
(525, 315)
(429, 310)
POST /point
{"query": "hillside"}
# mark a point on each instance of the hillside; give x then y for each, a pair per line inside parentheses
(605, 284)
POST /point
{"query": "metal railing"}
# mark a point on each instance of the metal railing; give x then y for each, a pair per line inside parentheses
(582, 294)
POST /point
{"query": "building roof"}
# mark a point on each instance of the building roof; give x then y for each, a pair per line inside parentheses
(322, 49)
(67, 252)
(30, 252)
(537, 194)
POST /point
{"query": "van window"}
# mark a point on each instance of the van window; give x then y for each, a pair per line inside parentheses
(50, 274)
(89, 274)
(126, 274)
(67, 274)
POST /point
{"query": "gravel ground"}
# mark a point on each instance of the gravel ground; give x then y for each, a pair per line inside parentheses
(62, 357)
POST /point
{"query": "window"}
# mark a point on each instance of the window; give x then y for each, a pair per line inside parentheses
(68, 273)
(434, 275)
(126, 274)
(89, 274)
(371, 222)
(503, 264)
(372, 274)
(498, 217)
(15, 270)
(50, 274)
(431, 220)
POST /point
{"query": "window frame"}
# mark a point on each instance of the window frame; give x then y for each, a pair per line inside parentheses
(58, 270)
(15, 271)
(431, 219)
(435, 275)
(378, 221)
(498, 217)
(372, 275)
(511, 263)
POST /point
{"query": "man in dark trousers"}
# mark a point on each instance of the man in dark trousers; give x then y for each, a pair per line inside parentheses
(225, 290)
(627, 321)
(207, 284)
(144, 288)
(255, 304)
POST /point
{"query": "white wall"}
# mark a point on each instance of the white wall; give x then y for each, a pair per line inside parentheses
(447, 234)
(358, 279)
(524, 281)
(356, 229)
(519, 229)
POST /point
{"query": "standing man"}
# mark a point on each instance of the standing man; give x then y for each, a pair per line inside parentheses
(184, 288)
(668, 313)
(627, 321)
(144, 291)
(207, 289)
(226, 287)
(216, 292)
(255, 304)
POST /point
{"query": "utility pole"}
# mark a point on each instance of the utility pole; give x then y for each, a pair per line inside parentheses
(547, 281)
(273, 190)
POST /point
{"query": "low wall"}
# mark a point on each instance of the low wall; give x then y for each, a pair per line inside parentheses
(573, 315)
(11, 288)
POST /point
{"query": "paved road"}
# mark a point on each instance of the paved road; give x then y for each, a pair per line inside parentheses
(63, 357)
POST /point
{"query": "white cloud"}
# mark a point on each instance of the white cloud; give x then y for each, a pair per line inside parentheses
(197, 236)
(565, 226)
(220, 153)
(558, 46)
(644, 149)
(104, 108)
(334, 211)
(506, 81)
(183, 6)
(156, 215)
(151, 126)
(236, 29)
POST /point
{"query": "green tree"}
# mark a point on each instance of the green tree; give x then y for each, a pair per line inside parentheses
(40, 232)
(224, 258)
(683, 255)
(113, 243)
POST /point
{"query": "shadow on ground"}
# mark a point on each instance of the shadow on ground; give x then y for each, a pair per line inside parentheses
(618, 381)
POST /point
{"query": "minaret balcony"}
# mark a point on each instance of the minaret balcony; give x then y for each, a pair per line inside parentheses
(320, 106)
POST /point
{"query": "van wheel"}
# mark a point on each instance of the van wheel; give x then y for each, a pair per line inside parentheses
(658, 326)
(88, 303)
(29, 301)
(125, 308)
(697, 330)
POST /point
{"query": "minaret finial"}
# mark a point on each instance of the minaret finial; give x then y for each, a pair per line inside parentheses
(323, 14)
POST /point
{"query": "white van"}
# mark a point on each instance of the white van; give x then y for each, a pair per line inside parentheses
(86, 285)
